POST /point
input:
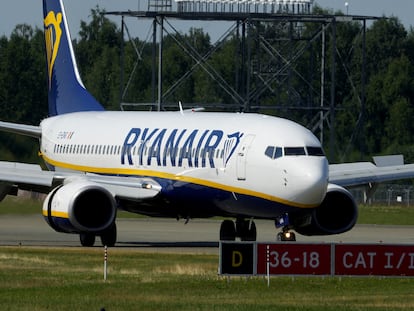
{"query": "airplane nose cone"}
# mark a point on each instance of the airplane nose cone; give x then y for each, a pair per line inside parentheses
(308, 180)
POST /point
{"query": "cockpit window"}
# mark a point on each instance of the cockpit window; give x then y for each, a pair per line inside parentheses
(273, 152)
(294, 151)
(315, 151)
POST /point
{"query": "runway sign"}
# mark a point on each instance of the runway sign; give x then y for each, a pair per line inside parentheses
(308, 259)
(316, 259)
(237, 258)
(385, 260)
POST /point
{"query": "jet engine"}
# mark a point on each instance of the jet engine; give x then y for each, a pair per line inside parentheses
(337, 213)
(80, 206)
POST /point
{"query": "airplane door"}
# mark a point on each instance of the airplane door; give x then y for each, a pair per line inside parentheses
(242, 157)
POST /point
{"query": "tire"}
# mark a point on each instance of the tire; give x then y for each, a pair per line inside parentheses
(250, 233)
(227, 231)
(108, 238)
(246, 230)
(87, 239)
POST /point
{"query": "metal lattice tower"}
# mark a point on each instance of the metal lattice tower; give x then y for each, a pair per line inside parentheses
(264, 65)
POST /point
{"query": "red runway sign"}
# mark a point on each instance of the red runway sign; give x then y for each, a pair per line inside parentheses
(387, 260)
(294, 259)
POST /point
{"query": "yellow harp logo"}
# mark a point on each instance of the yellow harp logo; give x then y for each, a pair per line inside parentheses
(53, 33)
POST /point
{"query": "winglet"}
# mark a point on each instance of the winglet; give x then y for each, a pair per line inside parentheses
(66, 92)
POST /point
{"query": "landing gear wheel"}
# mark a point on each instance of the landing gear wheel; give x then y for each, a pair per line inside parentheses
(251, 232)
(246, 230)
(227, 231)
(108, 237)
(87, 239)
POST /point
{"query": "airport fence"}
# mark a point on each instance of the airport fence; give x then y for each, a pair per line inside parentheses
(386, 194)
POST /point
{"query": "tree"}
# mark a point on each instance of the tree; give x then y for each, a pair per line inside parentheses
(98, 58)
(23, 74)
(399, 92)
(385, 41)
(389, 106)
(23, 97)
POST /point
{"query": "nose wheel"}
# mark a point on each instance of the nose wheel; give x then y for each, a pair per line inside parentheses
(286, 236)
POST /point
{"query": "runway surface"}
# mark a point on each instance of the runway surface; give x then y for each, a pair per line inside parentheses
(169, 235)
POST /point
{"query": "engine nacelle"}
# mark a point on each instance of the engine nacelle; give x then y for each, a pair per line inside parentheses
(80, 206)
(337, 213)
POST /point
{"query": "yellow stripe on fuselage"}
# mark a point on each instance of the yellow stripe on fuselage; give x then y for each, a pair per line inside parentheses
(183, 178)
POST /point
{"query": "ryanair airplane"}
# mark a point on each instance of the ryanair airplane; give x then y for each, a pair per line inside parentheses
(177, 164)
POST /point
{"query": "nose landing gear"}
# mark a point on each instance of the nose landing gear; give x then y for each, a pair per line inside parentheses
(285, 235)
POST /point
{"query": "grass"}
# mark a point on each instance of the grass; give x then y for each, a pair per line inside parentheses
(72, 279)
(41, 278)
(12, 205)
(386, 215)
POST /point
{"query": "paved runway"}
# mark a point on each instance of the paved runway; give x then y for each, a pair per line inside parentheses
(170, 235)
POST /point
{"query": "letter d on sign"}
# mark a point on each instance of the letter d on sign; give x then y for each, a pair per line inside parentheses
(237, 259)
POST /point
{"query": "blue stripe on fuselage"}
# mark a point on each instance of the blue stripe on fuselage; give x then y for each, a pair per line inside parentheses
(197, 201)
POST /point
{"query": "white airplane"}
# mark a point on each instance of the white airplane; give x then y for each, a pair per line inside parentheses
(177, 164)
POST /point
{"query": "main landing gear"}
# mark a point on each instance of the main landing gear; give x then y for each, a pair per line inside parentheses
(108, 237)
(244, 229)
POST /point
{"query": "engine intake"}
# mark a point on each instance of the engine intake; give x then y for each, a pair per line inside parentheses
(337, 213)
(80, 206)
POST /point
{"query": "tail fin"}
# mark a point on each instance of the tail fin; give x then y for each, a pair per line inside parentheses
(66, 92)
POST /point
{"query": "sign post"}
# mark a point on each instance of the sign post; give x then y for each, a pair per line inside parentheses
(105, 262)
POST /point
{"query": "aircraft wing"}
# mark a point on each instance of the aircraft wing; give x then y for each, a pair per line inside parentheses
(22, 129)
(363, 173)
(15, 176)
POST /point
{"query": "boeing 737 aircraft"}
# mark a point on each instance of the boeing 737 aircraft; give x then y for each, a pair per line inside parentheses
(177, 164)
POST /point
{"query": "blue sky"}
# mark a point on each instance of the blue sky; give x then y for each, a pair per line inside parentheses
(13, 12)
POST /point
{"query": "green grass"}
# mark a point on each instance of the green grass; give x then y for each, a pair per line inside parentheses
(40, 278)
(386, 215)
(12, 205)
(72, 279)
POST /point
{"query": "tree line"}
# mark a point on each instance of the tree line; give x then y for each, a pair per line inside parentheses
(383, 125)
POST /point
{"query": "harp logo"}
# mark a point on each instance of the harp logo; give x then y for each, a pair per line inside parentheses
(230, 145)
(53, 34)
